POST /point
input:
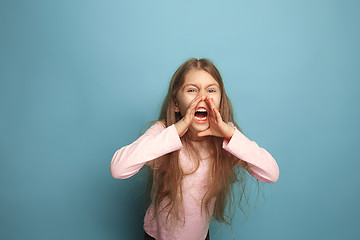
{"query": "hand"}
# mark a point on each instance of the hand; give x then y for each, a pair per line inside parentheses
(217, 126)
(183, 124)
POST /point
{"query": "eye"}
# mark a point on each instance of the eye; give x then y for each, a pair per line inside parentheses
(191, 90)
(211, 90)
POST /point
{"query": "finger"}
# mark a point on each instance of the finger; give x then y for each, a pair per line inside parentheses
(211, 106)
(217, 114)
(194, 103)
(210, 102)
(191, 109)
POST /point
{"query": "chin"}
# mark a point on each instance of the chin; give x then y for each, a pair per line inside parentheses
(198, 127)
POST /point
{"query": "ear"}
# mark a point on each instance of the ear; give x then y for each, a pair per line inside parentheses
(176, 105)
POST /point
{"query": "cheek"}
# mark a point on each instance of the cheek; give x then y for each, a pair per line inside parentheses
(217, 102)
(184, 104)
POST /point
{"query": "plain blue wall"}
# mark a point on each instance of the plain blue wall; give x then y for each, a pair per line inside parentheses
(79, 79)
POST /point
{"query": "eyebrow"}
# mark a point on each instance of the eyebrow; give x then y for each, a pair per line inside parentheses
(213, 84)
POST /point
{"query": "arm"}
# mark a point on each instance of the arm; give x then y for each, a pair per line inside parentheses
(155, 142)
(262, 165)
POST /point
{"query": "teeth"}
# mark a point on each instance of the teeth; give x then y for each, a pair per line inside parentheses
(200, 118)
(201, 110)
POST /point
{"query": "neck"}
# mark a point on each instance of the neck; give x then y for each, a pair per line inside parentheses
(192, 136)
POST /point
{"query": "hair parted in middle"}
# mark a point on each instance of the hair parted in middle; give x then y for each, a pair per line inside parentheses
(225, 168)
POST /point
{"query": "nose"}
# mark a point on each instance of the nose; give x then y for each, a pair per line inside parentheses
(203, 93)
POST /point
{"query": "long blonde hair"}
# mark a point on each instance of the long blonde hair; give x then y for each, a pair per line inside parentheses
(225, 168)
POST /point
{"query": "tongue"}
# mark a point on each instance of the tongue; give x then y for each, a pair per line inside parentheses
(201, 114)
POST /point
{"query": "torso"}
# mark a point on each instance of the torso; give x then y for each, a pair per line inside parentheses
(194, 186)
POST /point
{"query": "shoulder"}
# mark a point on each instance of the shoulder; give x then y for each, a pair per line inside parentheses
(160, 124)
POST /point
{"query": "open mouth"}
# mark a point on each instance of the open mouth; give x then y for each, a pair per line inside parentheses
(201, 115)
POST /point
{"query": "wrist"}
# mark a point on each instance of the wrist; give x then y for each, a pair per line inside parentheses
(181, 127)
(229, 132)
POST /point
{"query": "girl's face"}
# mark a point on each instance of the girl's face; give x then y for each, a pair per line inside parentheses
(198, 82)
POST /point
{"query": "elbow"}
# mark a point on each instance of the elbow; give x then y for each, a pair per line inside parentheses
(266, 176)
(274, 176)
(268, 179)
(116, 169)
(115, 173)
(118, 174)
(121, 167)
(273, 179)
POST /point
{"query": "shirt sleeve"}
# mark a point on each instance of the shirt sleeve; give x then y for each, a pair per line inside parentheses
(262, 165)
(155, 142)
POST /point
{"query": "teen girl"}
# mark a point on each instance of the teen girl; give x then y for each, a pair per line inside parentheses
(195, 152)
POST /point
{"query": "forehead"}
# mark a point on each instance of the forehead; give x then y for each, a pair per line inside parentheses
(199, 77)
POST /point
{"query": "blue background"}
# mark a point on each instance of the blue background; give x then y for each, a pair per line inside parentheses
(79, 79)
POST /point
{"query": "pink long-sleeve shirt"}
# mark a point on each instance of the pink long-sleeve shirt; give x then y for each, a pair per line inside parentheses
(158, 141)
